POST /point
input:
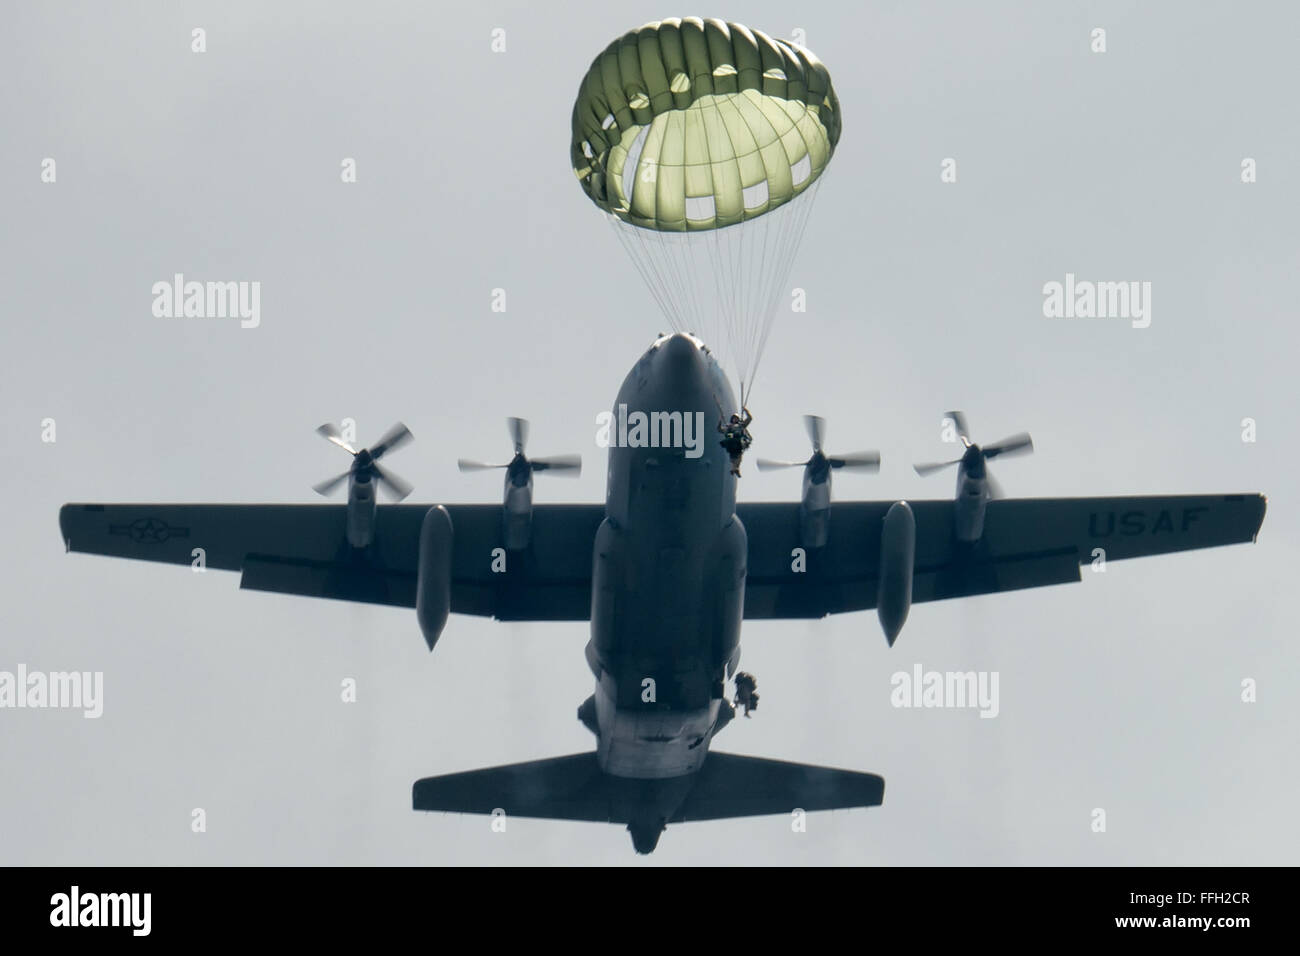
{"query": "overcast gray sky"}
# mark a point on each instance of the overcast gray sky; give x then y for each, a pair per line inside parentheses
(1122, 692)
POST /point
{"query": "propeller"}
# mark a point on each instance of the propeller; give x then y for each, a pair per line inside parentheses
(521, 466)
(975, 456)
(365, 462)
(816, 428)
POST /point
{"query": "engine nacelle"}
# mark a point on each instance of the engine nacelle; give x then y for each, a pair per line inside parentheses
(517, 514)
(361, 513)
(969, 505)
(433, 588)
(897, 557)
(815, 509)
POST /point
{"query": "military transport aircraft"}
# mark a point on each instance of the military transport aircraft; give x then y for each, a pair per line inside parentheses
(665, 570)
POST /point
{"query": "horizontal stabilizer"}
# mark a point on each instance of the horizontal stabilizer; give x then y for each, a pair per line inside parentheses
(561, 788)
(574, 788)
(730, 785)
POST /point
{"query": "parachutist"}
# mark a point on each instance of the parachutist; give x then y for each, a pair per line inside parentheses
(736, 438)
(747, 692)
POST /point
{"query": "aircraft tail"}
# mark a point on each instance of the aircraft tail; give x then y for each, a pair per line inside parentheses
(575, 788)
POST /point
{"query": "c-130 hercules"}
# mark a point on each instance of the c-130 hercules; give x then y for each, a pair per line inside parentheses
(665, 571)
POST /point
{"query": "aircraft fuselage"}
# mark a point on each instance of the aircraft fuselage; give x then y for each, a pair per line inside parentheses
(669, 568)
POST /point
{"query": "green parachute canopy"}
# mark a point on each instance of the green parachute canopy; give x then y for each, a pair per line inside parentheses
(705, 141)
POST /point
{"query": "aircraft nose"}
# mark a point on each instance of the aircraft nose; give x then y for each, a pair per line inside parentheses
(679, 359)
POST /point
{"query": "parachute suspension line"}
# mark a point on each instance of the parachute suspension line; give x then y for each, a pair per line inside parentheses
(643, 265)
(764, 299)
(752, 256)
(695, 318)
(721, 251)
(723, 285)
(752, 320)
(697, 285)
(729, 242)
(657, 269)
(755, 256)
(706, 265)
(792, 222)
(657, 257)
(658, 250)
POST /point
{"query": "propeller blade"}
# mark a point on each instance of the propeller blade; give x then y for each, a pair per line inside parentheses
(568, 465)
(963, 430)
(857, 461)
(518, 433)
(767, 464)
(395, 437)
(331, 432)
(1020, 444)
(465, 464)
(932, 467)
(995, 487)
(396, 487)
(815, 425)
(326, 488)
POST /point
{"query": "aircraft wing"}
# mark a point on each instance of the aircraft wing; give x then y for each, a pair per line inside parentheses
(303, 550)
(1027, 542)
